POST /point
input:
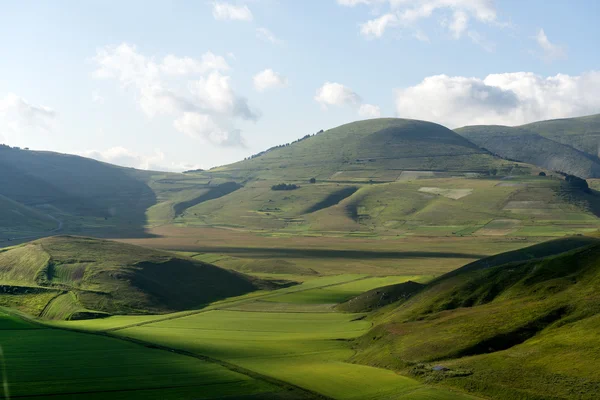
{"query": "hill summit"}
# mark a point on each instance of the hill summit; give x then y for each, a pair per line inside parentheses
(375, 144)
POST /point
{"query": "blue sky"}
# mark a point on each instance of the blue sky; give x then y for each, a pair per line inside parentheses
(188, 84)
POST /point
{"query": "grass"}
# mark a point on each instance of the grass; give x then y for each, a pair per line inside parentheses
(521, 325)
(109, 277)
(60, 364)
(342, 292)
(306, 349)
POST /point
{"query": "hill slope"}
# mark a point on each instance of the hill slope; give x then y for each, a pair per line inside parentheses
(530, 147)
(376, 144)
(567, 145)
(82, 277)
(581, 133)
(509, 327)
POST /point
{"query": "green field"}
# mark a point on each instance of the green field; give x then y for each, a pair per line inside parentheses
(306, 349)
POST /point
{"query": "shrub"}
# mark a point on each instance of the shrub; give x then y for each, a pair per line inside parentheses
(542, 173)
(313, 180)
(284, 186)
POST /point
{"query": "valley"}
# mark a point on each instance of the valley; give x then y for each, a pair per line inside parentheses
(383, 259)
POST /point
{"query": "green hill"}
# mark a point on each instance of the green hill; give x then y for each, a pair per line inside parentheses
(567, 145)
(386, 144)
(530, 147)
(581, 133)
(521, 325)
(65, 277)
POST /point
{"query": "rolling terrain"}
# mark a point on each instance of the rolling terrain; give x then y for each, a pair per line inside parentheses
(566, 145)
(67, 277)
(521, 325)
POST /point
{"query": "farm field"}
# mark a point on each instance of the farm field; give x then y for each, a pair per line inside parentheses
(306, 349)
(53, 363)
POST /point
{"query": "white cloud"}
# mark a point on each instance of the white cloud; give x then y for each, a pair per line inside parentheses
(268, 79)
(173, 65)
(369, 111)
(227, 11)
(550, 50)
(456, 15)
(336, 94)
(97, 98)
(126, 158)
(421, 36)
(507, 99)
(376, 27)
(18, 115)
(179, 86)
(267, 36)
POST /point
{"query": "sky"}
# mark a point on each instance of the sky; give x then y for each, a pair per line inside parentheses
(176, 85)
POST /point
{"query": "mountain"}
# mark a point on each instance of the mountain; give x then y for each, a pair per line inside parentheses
(565, 145)
(386, 144)
(66, 277)
(520, 325)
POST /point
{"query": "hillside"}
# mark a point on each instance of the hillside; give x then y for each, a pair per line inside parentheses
(568, 145)
(521, 325)
(530, 147)
(65, 277)
(581, 133)
(386, 145)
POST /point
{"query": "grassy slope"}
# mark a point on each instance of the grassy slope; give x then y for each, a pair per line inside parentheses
(501, 325)
(530, 147)
(17, 217)
(112, 277)
(568, 145)
(581, 133)
(377, 144)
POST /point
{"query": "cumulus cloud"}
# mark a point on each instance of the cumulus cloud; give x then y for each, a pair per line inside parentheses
(18, 115)
(126, 158)
(369, 111)
(455, 15)
(180, 87)
(550, 51)
(227, 11)
(269, 79)
(506, 99)
(97, 98)
(336, 94)
(267, 36)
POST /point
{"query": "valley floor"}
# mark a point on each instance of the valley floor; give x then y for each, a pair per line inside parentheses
(290, 343)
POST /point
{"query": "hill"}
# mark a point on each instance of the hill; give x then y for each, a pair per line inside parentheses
(567, 145)
(386, 144)
(530, 147)
(65, 277)
(521, 325)
(581, 133)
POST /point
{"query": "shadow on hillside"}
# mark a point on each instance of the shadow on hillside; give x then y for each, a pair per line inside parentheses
(318, 253)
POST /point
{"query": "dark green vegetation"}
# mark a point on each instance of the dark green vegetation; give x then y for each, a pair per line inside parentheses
(67, 277)
(521, 325)
(565, 145)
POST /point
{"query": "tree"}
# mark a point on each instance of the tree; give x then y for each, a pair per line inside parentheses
(542, 173)
(578, 183)
(313, 180)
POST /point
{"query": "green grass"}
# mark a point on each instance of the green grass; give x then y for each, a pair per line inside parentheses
(61, 364)
(515, 326)
(340, 293)
(109, 277)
